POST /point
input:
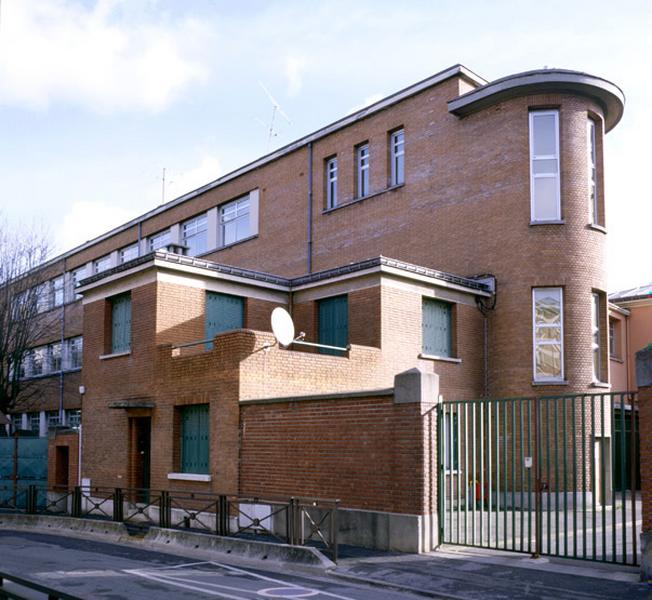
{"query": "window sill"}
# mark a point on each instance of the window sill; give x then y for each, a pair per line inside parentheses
(551, 382)
(218, 248)
(597, 227)
(552, 222)
(600, 384)
(449, 359)
(190, 477)
(361, 199)
(617, 359)
(114, 355)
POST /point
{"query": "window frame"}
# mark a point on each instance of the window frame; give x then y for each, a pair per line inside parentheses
(106, 259)
(592, 172)
(596, 336)
(330, 170)
(116, 345)
(224, 223)
(536, 342)
(74, 281)
(450, 307)
(163, 234)
(362, 168)
(181, 410)
(199, 223)
(533, 158)
(123, 254)
(396, 156)
(321, 306)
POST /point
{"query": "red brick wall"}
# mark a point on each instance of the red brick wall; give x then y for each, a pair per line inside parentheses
(645, 425)
(367, 452)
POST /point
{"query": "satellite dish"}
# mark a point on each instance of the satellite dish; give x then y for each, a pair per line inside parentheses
(282, 326)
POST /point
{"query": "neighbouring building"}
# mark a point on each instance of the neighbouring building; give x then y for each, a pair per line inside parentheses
(457, 226)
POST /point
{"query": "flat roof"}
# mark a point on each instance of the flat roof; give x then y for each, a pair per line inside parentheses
(638, 293)
(607, 94)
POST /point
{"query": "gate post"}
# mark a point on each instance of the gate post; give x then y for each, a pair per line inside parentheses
(644, 381)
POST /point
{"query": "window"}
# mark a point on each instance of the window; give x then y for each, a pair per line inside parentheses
(397, 157)
(235, 221)
(331, 182)
(102, 264)
(362, 170)
(595, 336)
(74, 347)
(195, 234)
(194, 445)
(73, 418)
(75, 277)
(43, 297)
(34, 422)
(57, 290)
(451, 441)
(53, 418)
(223, 313)
(593, 177)
(128, 253)
(38, 361)
(547, 318)
(614, 338)
(159, 240)
(333, 318)
(544, 166)
(436, 328)
(54, 357)
(120, 323)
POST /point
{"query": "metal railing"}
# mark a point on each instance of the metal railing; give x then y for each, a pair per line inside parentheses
(554, 475)
(296, 521)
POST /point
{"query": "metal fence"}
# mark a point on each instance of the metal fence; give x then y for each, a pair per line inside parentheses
(296, 520)
(554, 475)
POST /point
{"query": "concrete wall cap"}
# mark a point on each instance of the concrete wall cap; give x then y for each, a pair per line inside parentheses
(416, 386)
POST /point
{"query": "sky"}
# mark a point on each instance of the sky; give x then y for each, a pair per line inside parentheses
(98, 97)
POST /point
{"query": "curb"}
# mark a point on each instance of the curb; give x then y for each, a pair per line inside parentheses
(107, 530)
(170, 539)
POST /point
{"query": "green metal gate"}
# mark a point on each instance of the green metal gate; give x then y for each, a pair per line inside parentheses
(542, 475)
(23, 462)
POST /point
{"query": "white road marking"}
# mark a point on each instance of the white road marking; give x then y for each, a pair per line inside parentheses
(280, 592)
(188, 587)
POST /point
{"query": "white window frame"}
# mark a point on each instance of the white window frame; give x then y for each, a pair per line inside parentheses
(58, 291)
(596, 350)
(331, 182)
(397, 155)
(128, 253)
(362, 170)
(68, 352)
(192, 227)
(592, 160)
(76, 275)
(99, 262)
(242, 207)
(536, 343)
(534, 158)
(51, 357)
(153, 240)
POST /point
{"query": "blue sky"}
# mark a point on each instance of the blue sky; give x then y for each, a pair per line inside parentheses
(97, 97)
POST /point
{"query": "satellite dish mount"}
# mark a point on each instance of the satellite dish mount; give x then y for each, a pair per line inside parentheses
(284, 332)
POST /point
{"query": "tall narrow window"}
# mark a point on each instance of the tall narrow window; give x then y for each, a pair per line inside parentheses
(333, 317)
(544, 166)
(362, 170)
(54, 357)
(57, 291)
(397, 157)
(548, 334)
(436, 328)
(76, 276)
(194, 234)
(223, 313)
(235, 220)
(592, 175)
(331, 182)
(73, 353)
(595, 336)
(194, 442)
(121, 323)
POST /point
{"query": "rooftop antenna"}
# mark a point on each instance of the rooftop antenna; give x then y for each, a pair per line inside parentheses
(283, 329)
(164, 181)
(276, 108)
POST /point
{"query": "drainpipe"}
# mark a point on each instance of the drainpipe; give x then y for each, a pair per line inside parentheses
(484, 308)
(309, 207)
(140, 235)
(61, 339)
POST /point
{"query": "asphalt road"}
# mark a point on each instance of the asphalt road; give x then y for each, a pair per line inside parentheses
(92, 569)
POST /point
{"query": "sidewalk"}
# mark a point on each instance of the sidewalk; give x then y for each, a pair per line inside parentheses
(470, 573)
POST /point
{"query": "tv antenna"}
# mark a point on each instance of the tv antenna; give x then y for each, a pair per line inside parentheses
(283, 329)
(276, 108)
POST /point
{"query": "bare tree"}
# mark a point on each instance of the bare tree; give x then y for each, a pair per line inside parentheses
(21, 291)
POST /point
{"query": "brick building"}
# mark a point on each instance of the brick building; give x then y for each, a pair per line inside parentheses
(489, 199)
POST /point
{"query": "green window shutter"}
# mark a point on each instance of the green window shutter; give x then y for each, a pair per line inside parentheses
(194, 439)
(121, 323)
(223, 313)
(436, 328)
(333, 323)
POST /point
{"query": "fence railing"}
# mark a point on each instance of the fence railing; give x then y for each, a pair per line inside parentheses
(297, 521)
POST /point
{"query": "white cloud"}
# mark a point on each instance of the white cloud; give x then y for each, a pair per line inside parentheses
(58, 51)
(294, 67)
(182, 182)
(368, 101)
(86, 220)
